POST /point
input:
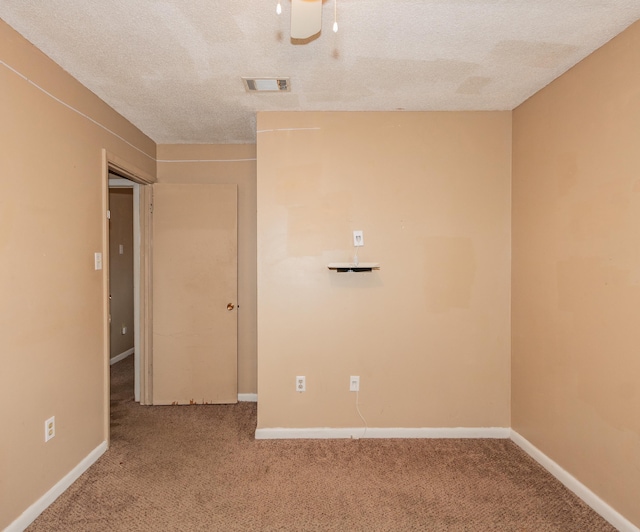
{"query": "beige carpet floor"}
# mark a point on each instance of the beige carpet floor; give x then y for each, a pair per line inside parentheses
(199, 468)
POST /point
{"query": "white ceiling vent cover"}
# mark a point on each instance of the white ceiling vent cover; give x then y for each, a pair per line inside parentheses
(267, 84)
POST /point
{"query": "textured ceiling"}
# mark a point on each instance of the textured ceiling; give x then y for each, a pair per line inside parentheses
(174, 68)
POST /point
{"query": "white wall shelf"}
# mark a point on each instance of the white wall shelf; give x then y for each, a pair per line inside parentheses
(350, 267)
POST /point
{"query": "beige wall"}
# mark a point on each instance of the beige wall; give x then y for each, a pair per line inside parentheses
(429, 333)
(121, 269)
(576, 272)
(51, 311)
(233, 164)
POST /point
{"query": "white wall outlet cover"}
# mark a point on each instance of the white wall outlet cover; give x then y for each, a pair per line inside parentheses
(354, 383)
(97, 260)
(49, 428)
(358, 238)
(301, 384)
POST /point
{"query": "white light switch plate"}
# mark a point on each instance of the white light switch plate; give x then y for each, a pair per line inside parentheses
(98, 261)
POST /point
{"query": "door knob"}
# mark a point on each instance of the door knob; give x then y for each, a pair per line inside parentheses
(230, 306)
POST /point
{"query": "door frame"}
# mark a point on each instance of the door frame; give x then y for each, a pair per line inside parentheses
(112, 163)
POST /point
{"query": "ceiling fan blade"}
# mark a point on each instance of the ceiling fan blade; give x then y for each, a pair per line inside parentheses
(306, 18)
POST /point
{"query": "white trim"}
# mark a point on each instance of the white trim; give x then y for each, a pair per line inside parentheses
(361, 432)
(121, 356)
(573, 484)
(120, 182)
(247, 397)
(137, 242)
(30, 514)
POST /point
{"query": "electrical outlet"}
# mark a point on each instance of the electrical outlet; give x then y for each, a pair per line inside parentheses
(301, 384)
(124, 329)
(358, 238)
(354, 383)
(49, 428)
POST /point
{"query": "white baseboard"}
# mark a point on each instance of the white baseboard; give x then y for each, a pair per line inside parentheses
(573, 484)
(247, 397)
(122, 356)
(30, 514)
(360, 432)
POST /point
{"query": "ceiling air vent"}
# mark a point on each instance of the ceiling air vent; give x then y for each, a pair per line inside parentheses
(266, 84)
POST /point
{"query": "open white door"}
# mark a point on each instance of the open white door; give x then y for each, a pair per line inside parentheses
(194, 252)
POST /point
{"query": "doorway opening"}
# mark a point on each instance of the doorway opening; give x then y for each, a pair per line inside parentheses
(124, 273)
(118, 174)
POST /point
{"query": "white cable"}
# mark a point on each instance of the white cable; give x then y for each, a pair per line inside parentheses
(288, 129)
(360, 414)
(205, 160)
(70, 107)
